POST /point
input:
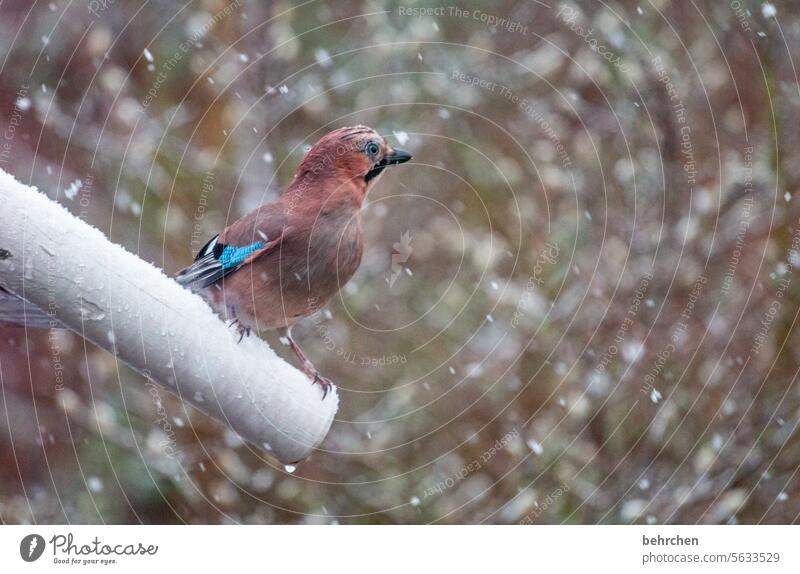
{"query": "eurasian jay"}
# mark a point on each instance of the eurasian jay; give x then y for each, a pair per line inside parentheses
(286, 259)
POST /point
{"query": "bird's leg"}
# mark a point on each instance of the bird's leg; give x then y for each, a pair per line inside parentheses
(233, 319)
(307, 366)
(287, 334)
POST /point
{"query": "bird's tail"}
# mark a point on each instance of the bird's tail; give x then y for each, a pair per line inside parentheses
(17, 311)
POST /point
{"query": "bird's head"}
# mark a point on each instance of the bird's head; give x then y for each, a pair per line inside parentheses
(355, 154)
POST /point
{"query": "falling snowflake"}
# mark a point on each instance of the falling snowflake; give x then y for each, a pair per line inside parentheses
(535, 446)
(322, 57)
(632, 351)
(402, 137)
(655, 396)
(94, 484)
(73, 189)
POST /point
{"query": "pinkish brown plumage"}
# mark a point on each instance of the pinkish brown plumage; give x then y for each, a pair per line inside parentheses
(285, 260)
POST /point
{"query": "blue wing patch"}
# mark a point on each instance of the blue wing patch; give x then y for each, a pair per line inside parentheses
(233, 256)
(215, 261)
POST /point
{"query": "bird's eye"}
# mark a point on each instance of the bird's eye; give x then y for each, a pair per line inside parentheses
(372, 149)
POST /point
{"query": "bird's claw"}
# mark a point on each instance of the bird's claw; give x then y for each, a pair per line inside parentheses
(242, 332)
(323, 382)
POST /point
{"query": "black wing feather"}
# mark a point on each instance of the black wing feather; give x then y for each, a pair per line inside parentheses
(206, 269)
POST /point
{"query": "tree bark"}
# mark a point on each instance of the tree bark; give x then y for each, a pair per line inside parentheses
(168, 334)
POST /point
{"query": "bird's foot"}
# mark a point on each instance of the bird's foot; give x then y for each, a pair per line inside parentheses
(243, 331)
(240, 328)
(323, 382)
(307, 366)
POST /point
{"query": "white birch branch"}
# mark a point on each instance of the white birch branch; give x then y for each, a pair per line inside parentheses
(171, 336)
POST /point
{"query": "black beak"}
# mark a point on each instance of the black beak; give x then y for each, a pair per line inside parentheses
(397, 156)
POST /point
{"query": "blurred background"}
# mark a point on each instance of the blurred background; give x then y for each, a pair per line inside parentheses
(577, 306)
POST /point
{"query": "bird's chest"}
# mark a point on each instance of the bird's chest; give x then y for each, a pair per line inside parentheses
(338, 257)
(334, 252)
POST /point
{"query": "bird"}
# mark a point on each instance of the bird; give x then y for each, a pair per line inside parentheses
(285, 260)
